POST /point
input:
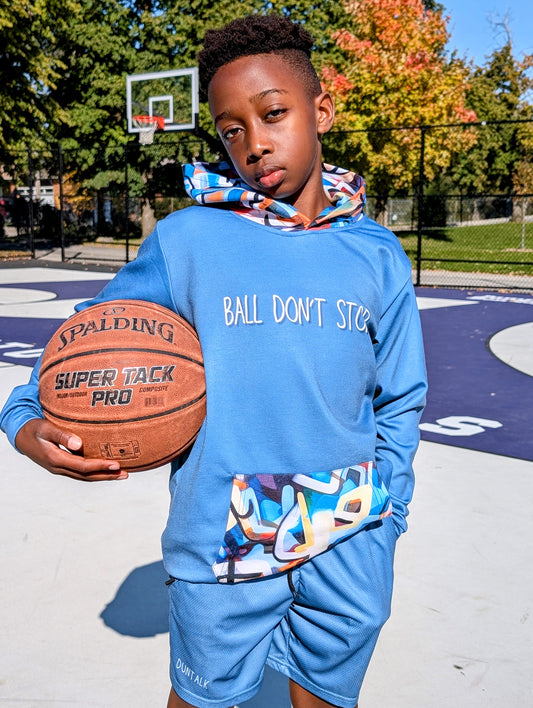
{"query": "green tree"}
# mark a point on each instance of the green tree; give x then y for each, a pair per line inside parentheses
(498, 94)
(103, 42)
(95, 47)
(64, 73)
(29, 69)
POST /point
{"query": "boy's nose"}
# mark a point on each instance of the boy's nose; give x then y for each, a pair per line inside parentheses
(258, 144)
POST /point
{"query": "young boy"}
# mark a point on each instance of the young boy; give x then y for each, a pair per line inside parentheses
(280, 537)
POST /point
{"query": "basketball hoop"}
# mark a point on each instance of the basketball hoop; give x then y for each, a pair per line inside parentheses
(147, 125)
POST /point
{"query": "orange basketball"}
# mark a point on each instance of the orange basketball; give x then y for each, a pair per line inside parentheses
(127, 376)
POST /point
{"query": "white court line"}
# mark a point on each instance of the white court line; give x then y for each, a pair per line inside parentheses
(48, 275)
(11, 296)
(51, 309)
(40, 304)
(432, 303)
(514, 346)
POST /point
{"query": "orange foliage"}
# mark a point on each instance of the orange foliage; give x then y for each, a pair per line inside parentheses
(397, 73)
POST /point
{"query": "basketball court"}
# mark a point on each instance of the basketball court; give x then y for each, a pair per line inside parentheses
(83, 614)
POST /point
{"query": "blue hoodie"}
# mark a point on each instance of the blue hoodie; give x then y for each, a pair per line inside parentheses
(315, 377)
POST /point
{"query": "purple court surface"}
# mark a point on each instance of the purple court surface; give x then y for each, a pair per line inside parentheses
(83, 613)
(479, 349)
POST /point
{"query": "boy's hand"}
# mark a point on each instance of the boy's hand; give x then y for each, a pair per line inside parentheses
(40, 440)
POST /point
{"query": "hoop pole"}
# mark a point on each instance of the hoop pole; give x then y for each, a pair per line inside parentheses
(30, 204)
(61, 204)
(126, 204)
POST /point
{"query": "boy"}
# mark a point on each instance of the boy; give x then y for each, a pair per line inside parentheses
(280, 537)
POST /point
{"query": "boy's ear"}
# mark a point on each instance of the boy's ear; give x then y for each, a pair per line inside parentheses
(325, 112)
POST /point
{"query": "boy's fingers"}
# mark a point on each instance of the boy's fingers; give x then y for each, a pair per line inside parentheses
(56, 449)
(50, 433)
(86, 468)
(70, 441)
(98, 475)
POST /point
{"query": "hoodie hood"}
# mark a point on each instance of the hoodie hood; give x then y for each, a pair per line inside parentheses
(217, 184)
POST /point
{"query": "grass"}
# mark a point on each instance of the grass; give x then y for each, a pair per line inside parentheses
(472, 245)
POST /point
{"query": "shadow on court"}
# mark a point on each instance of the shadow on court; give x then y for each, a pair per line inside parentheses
(140, 606)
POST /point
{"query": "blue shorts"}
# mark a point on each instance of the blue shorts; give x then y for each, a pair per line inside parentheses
(318, 625)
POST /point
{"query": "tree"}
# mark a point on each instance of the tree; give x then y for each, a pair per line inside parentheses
(29, 69)
(64, 71)
(498, 95)
(321, 19)
(95, 47)
(102, 42)
(396, 73)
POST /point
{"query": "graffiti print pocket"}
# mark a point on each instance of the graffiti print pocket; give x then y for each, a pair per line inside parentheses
(276, 522)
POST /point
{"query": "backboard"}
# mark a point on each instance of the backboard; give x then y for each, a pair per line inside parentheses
(171, 96)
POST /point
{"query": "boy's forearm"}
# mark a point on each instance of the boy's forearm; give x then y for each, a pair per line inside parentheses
(397, 442)
(21, 406)
(399, 399)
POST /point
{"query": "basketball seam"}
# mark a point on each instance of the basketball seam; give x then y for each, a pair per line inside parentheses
(79, 421)
(120, 349)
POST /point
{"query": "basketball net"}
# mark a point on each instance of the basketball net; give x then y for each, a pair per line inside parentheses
(147, 126)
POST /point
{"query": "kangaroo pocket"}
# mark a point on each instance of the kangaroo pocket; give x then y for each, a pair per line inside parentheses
(277, 522)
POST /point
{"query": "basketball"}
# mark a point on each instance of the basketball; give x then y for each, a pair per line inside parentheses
(127, 376)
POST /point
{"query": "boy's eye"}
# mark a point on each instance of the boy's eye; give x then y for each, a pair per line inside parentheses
(230, 133)
(275, 113)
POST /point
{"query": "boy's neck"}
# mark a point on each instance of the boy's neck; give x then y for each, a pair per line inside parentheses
(313, 199)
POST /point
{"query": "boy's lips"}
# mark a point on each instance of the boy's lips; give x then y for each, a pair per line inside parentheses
(270, 178)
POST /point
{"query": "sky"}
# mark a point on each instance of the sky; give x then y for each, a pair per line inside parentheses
(473, 35)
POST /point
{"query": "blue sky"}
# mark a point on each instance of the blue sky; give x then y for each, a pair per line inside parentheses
(473, 35)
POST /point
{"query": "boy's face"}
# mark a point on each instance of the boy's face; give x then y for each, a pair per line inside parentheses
(271, 128)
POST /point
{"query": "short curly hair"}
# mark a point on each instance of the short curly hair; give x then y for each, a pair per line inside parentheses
(258, 34)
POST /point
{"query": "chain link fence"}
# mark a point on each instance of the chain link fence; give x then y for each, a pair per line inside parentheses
(455, 233)
(477, 241)
(54, 204)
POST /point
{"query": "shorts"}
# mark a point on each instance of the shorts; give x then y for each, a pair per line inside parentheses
(317, 625)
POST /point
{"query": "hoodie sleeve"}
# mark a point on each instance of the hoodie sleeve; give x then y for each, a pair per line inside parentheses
(399, 398)
(145, 278)
(21, 406)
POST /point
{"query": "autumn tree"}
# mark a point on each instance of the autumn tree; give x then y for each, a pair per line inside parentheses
(497, 163)
(396, 73)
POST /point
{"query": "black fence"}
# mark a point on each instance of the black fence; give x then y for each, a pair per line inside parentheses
(102, 214)
(476, 241)
(454, 235)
